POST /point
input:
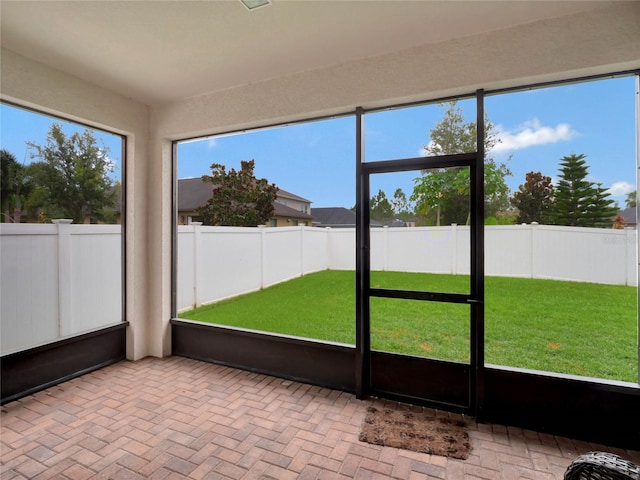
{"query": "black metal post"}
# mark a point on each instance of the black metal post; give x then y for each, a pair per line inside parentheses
(476, 381)
(363, 342)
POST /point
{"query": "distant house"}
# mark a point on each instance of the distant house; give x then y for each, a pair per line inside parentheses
(290, 209)
(334, 217)
(337, 217)
(630, 218)
(401, 223)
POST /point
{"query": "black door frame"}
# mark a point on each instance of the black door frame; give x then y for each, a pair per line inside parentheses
(475, 299)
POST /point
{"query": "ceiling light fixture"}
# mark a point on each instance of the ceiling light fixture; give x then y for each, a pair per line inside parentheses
(253, 4)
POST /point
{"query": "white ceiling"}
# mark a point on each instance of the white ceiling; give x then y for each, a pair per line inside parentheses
(160, 51)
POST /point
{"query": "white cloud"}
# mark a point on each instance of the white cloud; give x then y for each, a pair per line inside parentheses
(619, 189)
(110, 164)
(424, 150)
(211, 143)
(531, 133)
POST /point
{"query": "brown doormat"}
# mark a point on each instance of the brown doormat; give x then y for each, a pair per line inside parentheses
(419, 432)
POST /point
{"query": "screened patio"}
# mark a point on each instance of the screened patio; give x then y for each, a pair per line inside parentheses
(158, 74)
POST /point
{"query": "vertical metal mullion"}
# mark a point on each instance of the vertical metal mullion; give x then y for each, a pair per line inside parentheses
(363, 342)
(174, 230)
(123, 227)
(476, 378)
(637, 208)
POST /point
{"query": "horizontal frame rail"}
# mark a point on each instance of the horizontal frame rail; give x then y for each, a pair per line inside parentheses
(426, 296)
(419, 163)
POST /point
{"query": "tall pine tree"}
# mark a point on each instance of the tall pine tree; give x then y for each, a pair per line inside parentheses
(602, 209)
(578, 202)
(381, 208)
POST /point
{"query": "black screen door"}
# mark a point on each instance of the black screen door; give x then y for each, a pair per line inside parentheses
(420, 289)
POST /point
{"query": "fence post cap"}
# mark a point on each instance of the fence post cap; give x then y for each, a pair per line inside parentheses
(62, 221)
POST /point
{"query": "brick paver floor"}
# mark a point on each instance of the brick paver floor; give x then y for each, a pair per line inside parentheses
(178, 418)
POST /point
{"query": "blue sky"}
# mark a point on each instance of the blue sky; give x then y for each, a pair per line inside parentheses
(316, 160)
(536, 129)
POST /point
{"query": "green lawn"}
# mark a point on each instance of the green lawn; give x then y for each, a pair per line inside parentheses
(566, 327)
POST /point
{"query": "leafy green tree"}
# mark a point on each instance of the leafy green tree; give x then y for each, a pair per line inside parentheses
(579, 202)
(380, 208)
(402, 209)
(71, 179)
(446, 191)
(632, 199)
(239, 198)
(14, 187)
(534, 199)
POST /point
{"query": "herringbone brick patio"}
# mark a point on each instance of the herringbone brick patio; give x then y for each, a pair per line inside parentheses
(177, 418)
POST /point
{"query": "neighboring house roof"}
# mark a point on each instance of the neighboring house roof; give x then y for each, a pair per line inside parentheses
(286, 211)
(194, 193)
(337, 217)
(630, 217)
(397, 223)
(333, 217)
(291, 196)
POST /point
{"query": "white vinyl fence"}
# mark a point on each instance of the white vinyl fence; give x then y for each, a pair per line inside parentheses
(61, 280)
(57, 281)
(221, 262)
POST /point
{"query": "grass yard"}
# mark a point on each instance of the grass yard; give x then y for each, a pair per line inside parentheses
(566, 327)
